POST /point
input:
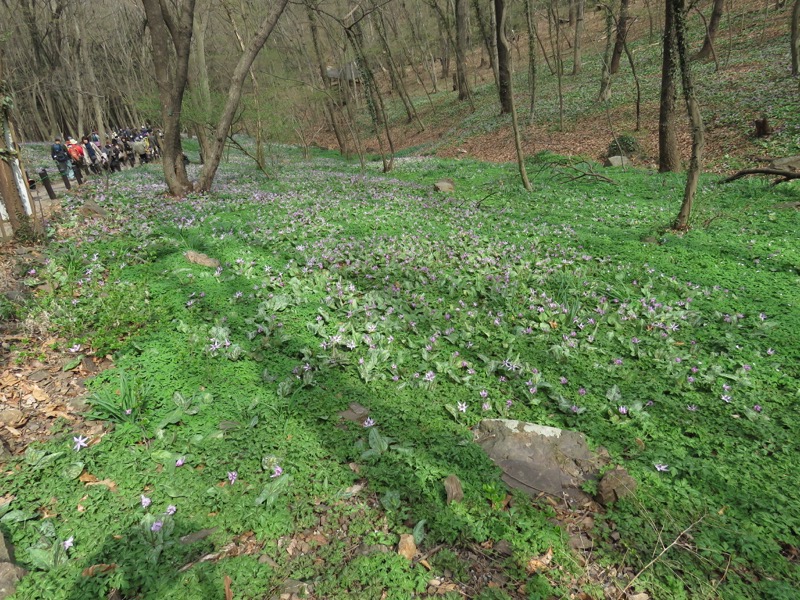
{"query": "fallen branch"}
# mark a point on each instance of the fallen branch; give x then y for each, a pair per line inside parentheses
(784, 173)
(567, 177)
(662, 553)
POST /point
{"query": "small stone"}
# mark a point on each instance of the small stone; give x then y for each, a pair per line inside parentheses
(580, 541)
(444, 185)
(503, 547)
(407, 547)
(77, 404)
(355, 413)
(12, 417)
(640, 596)
(91, 208)
(615, 485)
(5, 452)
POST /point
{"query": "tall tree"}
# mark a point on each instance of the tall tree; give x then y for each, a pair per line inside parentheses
(605, 71)
(578, 12)
(795, 27)
(462, 29)
(503, 49)
(669, 157)
(487, 34)
(171, 38)
(695, 119)
(711, 32)
(171, 35)
(530, 18)
(503, 59)
(623, 20)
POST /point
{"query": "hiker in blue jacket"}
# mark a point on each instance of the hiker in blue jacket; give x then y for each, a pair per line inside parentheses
(58, 152)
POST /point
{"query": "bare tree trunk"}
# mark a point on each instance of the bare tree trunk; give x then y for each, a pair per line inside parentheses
(330, 106)
(503, 59)
(576, 47)
(171, 34)
(669, 157)
(559, 65)
(200, 81)
(696, 120)
(622, 34)
(530, 17)
(487, 36)
(711, 32)
(235, 94)
(795, 27)
(462, 29)
(372, 95)
(605, 73)
(504, 50)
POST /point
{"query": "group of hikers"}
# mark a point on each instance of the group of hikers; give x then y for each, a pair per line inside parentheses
(90, 154)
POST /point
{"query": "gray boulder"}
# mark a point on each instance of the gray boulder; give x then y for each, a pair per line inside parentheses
(10, 574)
(538, 459)
(615, 485)
(617, 161)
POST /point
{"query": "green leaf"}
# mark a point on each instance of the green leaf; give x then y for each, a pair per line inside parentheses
(419, 532)
(614, 394)
(41, 558)
(163, 457)
(72, 471)
(69, 365)
(17, 516)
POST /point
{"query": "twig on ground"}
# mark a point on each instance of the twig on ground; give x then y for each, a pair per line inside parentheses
(589, 172)
(652, 562)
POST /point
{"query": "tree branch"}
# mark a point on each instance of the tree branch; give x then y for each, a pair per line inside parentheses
(785, 174)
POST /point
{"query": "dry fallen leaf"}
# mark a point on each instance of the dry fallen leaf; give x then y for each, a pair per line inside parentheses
(111, 485)
(540, 563)
(407, 548)
(452, 486)
(86, 477)
(98, 569)
(227, 581)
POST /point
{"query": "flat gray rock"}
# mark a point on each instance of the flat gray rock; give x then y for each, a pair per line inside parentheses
(617, 161)
(538, 459)
(6, 549)
(355, 413)
(10, 574)
(788, 163)
(444, 185)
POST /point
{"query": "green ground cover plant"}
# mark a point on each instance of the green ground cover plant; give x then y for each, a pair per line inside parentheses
(572, 306)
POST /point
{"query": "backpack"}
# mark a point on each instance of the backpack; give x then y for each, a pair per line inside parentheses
(75, 152)
(60, 153)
